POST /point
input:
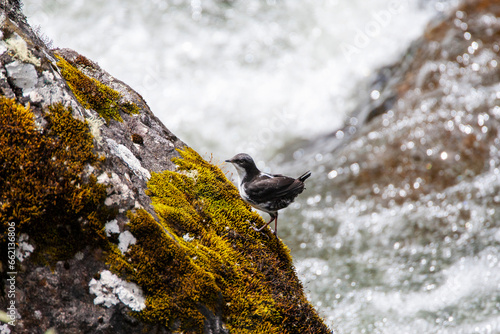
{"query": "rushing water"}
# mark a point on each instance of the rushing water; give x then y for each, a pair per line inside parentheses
(231, 76)
(264, 76)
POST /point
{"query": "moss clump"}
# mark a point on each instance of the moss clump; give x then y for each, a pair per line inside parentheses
(137, 139)
(95, 95)
(43, 189)
(202, 258)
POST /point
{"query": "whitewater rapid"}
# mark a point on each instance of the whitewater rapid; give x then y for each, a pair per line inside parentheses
(236, 76)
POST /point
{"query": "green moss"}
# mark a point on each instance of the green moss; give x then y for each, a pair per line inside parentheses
(202, 257)
(43, 189)
(94, 95)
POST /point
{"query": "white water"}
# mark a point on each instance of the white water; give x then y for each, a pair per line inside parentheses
(237, 75)
(379, 273)
(254, 75)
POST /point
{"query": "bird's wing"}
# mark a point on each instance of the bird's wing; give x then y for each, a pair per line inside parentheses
(265, 189)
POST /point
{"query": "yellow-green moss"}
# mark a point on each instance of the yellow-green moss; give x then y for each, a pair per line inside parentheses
(202, 254)
(42, 185)
(94, 95)
(200, 259)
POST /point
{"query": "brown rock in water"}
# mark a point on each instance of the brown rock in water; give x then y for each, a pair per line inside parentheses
(437, 119)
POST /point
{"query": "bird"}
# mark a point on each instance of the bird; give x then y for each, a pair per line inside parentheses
(266, 192)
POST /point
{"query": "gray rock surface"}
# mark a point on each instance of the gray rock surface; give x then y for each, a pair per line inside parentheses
(58, 296)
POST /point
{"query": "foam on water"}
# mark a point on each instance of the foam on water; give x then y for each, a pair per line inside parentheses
(380, 274)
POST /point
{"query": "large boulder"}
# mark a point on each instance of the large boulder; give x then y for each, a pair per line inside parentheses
(101, 232)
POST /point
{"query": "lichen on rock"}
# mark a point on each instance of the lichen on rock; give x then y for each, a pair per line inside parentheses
(110, 290)
(18, 46)
(24, 75)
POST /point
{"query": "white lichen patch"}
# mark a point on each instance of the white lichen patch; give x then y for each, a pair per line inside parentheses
(19, 48)
(104, 178)
(110, 290)
(24, 76)
(3, 48)
(4, 329)
(35, 97)
(25, 249)
(187, 237)
(95, 123)
(79, 256)
(112, 227)
(124, 240)
(128, 158)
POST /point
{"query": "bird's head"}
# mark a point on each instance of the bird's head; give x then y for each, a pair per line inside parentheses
(244, 164)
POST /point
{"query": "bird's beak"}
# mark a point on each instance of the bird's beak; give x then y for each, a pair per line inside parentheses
(228, 160)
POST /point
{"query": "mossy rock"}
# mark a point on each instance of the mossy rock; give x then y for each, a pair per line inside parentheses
(198, 262)
(44, 190)
(202, 258)
(93, 94)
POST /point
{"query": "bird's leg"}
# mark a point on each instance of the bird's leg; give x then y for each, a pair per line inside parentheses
(263, 227)
(276, 225)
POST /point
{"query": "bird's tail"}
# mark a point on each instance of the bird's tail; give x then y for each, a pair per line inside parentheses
(304, 176)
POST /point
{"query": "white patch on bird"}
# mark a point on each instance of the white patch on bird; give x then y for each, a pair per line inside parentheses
(243, 193)
(241, 172)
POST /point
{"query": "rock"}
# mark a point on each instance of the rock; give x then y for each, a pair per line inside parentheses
(436, 121)
(105, 234)
(23, 75)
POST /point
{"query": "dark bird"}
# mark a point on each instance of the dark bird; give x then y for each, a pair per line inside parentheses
(266, 192)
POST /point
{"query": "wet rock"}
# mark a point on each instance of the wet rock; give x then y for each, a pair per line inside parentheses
(435, 120)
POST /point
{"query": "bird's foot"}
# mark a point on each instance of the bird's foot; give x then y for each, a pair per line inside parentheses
(259, 230)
